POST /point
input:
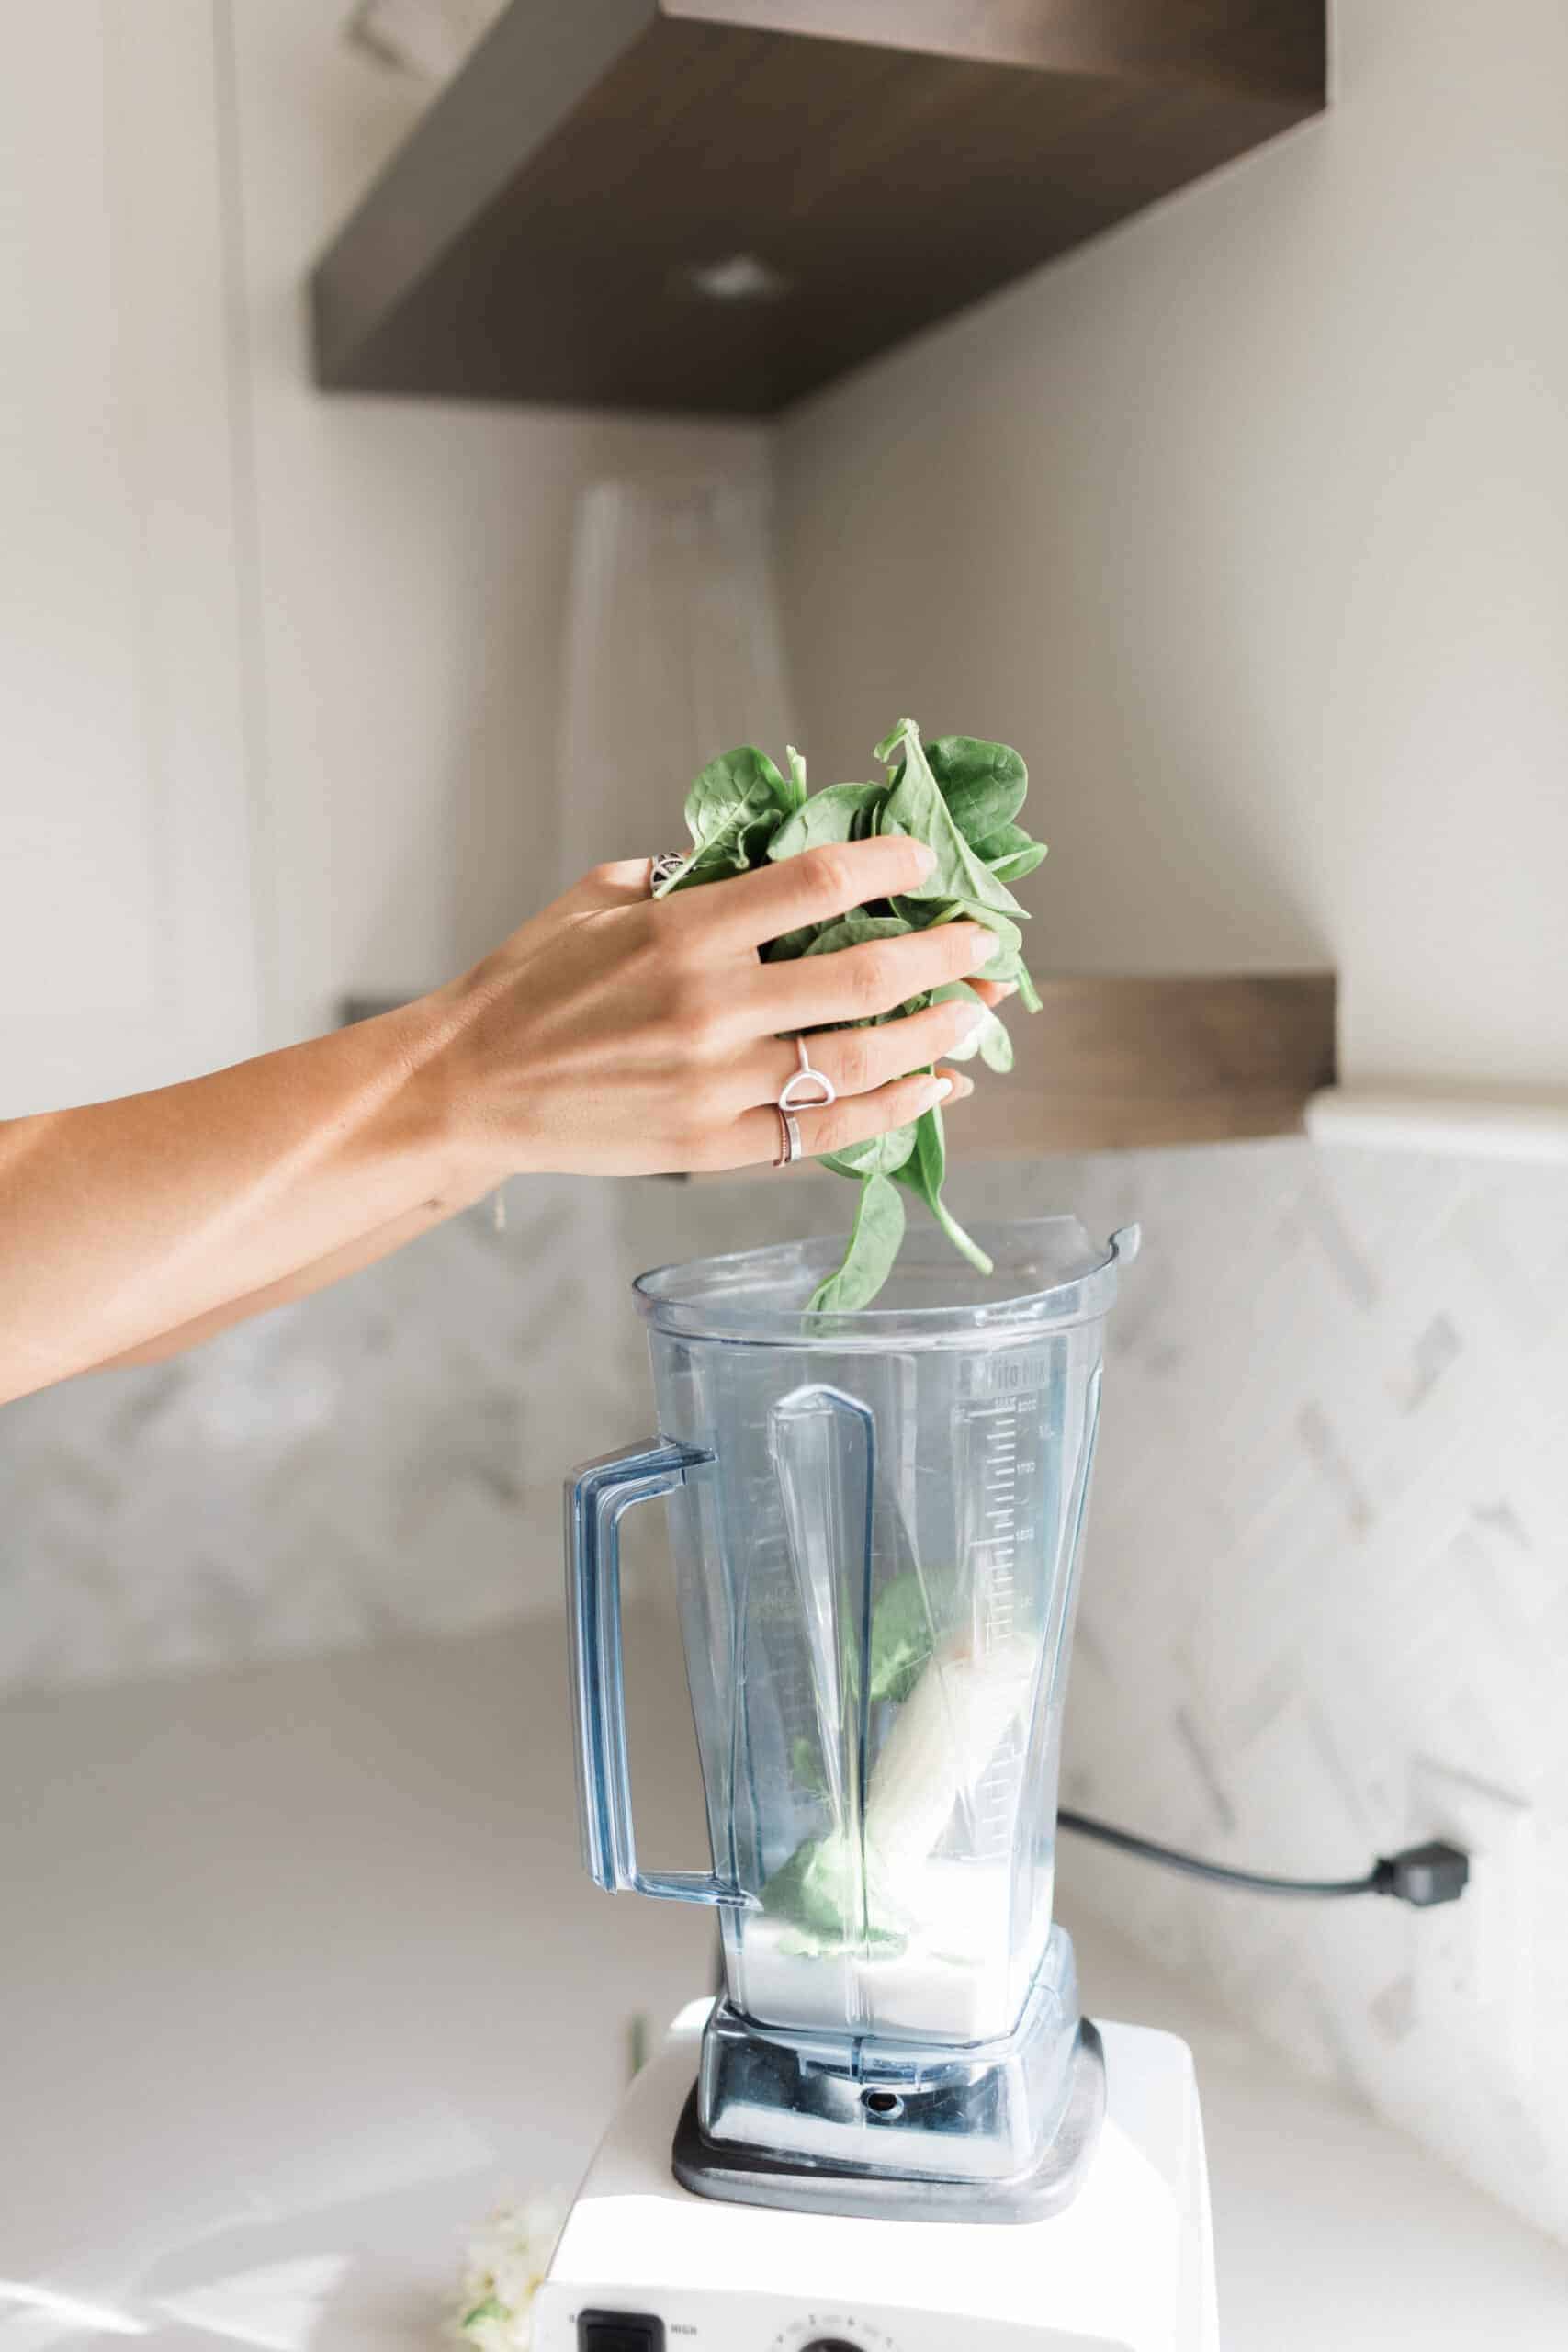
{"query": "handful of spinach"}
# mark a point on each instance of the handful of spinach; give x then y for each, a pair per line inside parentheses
(961, 796)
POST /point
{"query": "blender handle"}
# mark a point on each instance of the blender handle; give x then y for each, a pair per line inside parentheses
(597, 1495)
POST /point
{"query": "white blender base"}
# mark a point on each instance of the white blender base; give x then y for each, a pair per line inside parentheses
(1128, 2266)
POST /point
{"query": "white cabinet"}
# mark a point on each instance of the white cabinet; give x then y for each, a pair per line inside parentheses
(127, 944)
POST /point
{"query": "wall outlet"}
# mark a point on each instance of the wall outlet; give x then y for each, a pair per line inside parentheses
(1474, 1959)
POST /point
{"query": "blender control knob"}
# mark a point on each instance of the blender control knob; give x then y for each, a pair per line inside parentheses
(619, 2332)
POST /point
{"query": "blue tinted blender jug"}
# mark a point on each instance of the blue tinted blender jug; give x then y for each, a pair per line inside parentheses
(875, 1520)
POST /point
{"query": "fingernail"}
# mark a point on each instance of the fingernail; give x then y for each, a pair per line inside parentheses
(926, 859)
(940, 1088)
(973, 1016)
(1008, 988)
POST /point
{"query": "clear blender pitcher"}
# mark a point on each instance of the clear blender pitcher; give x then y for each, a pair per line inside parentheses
(875, 1521)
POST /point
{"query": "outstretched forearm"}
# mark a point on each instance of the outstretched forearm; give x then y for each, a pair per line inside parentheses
(304, 1281)
(613, 1035)
(127, 1220)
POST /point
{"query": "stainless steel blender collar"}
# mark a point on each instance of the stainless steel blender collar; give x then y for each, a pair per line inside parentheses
(1048, 1276)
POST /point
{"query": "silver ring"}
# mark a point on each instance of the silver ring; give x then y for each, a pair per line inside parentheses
(789, 1138)
(663, 867)
(822, 1089)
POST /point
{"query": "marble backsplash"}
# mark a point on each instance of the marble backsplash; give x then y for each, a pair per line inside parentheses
(1329, 1539)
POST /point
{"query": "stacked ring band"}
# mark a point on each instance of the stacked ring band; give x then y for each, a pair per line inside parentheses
(804, 1089)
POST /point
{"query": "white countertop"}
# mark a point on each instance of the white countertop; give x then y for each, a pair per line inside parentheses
(298, 1968)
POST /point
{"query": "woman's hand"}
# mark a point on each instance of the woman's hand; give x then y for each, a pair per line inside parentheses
(619, 1034)
(613, 1034)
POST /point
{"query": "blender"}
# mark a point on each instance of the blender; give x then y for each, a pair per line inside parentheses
(876, 1523)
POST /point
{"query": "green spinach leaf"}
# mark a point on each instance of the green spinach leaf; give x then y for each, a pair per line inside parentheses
(1015, 969)
(791, 944)
(963, 911)
(856, 930)
(1004, 964)
(829, 1897)
(1009, 853)
(829, 816)
(906, 1618)
(924, 1174)
(991, 1040)
(960, 795)
(874, 1245)
(877, 1156)
(983, 784)
(1007, 964)
(738, 798)
(916, 807)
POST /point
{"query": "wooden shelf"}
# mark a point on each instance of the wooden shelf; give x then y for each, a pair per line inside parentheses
(1111, 1064)
(718, 205)
(1118, 1062)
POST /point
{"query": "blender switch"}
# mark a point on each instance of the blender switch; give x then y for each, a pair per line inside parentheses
(618, 2332)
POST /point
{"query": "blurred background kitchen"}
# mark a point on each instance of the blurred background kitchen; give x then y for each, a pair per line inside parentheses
(1244, 521)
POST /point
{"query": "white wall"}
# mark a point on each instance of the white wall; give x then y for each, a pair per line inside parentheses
(411, 579)
(1328, 1548)
(1247, 522)
(279, 675)
(124, 857)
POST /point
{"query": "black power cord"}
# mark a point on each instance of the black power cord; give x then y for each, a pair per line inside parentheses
(1421, 1875)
